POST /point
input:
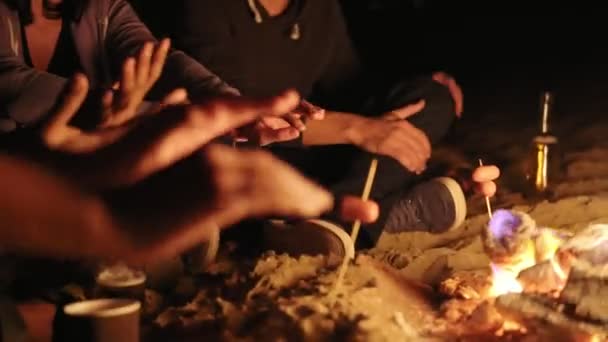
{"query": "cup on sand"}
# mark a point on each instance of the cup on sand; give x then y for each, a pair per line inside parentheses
(101, 320)
(121, 282)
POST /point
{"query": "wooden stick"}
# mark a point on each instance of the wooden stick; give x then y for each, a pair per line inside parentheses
(367, 189)
(488, 205)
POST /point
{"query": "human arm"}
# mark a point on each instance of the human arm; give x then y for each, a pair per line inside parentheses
(19, 83)
(391, 135)
(45, 215)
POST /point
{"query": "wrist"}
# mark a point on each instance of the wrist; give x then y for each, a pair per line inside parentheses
(354, 130)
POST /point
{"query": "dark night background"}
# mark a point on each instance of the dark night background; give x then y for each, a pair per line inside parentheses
(503, 53)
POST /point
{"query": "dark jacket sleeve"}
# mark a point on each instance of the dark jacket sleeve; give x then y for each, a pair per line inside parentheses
(26, 93)
(125, 36)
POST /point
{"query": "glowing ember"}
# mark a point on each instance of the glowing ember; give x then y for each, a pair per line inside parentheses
(503, 282)
(510, 326)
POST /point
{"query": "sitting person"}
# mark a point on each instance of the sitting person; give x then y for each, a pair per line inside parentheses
(44, 42)
(263, 46)
(145, 163)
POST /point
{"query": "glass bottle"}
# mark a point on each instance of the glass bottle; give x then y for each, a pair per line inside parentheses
(544, 163)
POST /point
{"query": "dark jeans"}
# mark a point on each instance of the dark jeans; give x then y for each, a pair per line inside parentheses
(343, 169)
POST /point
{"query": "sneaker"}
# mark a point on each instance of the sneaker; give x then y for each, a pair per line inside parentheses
(309, 237)
(436, 206)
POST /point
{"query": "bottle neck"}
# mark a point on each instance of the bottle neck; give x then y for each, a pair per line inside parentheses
(546, 109)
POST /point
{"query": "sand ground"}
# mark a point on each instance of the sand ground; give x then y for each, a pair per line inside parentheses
(286, 298)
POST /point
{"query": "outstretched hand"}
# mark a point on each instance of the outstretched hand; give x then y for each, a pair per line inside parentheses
(138, 77)
(272, 129)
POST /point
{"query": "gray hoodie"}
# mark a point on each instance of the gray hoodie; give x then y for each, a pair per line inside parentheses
(107, 32)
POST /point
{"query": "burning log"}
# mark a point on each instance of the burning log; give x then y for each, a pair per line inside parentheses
(587, 291)
(545, 277)
(467, 284)
(547, 242)
(546, 316)
(508, 240)
(590, 245)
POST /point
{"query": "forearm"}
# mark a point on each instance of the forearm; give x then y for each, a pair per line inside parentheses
(337, 128)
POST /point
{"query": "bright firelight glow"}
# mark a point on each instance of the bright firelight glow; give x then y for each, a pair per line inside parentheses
(547, 244)
(558, 270)
(503, 282)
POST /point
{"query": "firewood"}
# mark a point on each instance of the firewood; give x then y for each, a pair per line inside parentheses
(590, 245)
(467, 284)
(587, 290)
(541, 278)
(545, 314)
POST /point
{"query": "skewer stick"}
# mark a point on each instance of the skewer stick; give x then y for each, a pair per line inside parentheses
(488, 205)
(367, 189)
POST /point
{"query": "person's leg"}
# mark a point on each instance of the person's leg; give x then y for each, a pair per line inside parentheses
(434, 120)
(392, 179)
(343, 169)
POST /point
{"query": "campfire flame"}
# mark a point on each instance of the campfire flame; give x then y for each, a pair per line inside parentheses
(503, 282)
(547, 244)
(505, 274)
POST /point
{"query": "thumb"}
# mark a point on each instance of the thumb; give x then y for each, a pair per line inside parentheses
(407, 110)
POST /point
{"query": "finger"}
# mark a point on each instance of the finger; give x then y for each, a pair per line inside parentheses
(418, 137)
(143, 64)
(274, 122)
(295, 121)
(407, 111)
(270, 136)
(457, 96)
(176, 97)
(423, 141)
(158, 60)
(413, 150)
(269, 186)
(486, 174)
(401, 151)
(236, 112)
(487, 189)
(440, 77)
(354, 208)
(127, 83)
(71, 103)
(310, 111)
(107, 100)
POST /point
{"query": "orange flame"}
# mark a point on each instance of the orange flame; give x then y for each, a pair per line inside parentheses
(547, 244)
(503, 282)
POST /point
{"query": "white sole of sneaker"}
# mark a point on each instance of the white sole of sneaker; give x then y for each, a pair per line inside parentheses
(300, 227)
(347, 242)
(460, 202)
